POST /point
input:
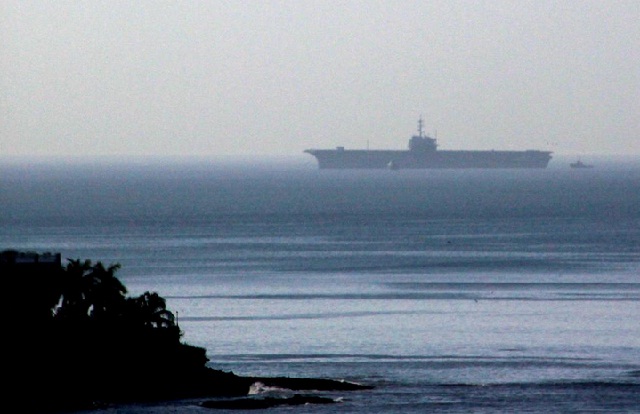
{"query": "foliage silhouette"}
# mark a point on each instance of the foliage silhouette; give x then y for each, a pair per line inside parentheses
(77, 339)
(80, 339)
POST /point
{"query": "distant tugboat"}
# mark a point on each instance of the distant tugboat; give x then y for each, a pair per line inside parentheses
(580, 164)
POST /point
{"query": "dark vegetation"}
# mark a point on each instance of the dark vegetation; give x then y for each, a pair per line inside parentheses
(75, 340)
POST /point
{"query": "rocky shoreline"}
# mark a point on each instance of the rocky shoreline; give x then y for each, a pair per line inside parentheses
(216, 389)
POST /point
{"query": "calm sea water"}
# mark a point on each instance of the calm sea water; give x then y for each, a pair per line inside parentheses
(449, 291)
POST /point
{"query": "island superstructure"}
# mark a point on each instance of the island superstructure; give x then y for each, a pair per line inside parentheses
(423, 153)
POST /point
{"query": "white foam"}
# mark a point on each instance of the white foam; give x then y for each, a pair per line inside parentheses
(258, 388)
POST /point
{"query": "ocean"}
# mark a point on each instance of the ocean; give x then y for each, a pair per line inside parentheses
(449, 291)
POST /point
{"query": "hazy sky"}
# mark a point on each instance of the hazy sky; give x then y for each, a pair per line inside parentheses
(272, 78)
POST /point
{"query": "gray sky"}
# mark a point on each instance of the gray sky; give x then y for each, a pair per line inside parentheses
(272, 78)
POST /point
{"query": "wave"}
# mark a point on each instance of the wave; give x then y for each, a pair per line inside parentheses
(424, 367)
(556, 384)
(431, 359)
(329, 315)
(258, 388)
(525, 296)
(513, 286)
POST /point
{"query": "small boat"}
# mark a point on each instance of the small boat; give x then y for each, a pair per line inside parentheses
(580, 164)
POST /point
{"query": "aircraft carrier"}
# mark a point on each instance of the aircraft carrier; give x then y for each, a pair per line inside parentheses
(423, 153)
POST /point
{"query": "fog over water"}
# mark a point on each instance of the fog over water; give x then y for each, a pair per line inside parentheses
(222, 79)
(199, 191)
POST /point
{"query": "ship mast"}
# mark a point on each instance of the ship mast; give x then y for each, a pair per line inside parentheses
(420, 127)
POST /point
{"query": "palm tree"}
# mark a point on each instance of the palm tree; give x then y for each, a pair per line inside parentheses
(75, 288)
(107, 293)
(150, 310)
(91, 291)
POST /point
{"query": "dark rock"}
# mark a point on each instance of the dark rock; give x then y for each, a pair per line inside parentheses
(319, 384)
(262, 403)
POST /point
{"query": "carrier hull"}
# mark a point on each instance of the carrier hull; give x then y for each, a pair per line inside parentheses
(390, 159)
